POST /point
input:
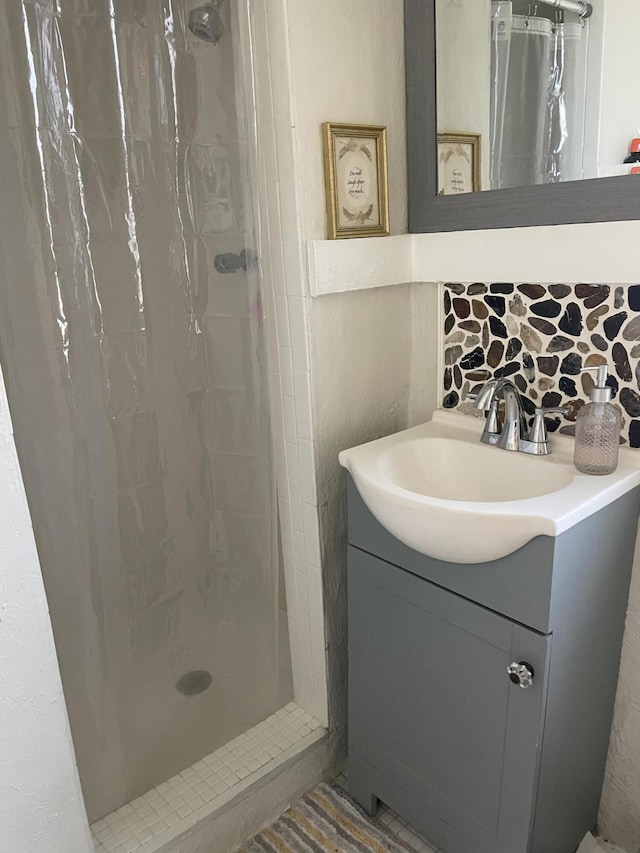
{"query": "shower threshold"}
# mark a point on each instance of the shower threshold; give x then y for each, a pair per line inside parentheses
(165, 813)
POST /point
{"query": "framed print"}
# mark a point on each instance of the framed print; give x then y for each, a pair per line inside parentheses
(458, 163)
(355, 176)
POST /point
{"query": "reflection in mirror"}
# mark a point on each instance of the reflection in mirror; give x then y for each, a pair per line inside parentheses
(551, 92)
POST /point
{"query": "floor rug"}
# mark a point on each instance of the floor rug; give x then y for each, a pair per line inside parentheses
(326, 820)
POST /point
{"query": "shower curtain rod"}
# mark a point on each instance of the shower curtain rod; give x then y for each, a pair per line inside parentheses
(585, 10)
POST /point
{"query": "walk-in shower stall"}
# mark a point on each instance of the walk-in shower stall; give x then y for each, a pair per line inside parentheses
(134, 347)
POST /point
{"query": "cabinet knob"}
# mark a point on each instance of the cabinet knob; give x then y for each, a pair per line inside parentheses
(521, 674)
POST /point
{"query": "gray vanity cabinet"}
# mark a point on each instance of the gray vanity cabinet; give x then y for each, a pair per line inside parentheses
(435, 709)
(436, 728)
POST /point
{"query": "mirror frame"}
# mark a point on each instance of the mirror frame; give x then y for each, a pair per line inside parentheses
(593, 200)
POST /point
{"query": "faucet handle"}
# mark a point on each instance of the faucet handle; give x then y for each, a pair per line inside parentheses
(547, 410)
(538, 429)
(491, 427)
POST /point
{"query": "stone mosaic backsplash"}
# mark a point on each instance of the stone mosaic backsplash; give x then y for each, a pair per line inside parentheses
(541, 336)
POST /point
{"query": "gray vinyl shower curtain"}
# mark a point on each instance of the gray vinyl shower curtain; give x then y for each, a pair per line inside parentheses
(538, 92)
(137, 380)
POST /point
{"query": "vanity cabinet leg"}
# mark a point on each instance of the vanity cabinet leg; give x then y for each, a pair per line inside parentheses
(360, 791)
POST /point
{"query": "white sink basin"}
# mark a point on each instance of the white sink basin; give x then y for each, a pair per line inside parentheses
(442, 492)
(455, 470)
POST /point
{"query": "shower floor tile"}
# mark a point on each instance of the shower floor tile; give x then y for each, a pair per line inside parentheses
(172, 807)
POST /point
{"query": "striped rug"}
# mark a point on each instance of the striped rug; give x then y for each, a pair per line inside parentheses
(325, 821)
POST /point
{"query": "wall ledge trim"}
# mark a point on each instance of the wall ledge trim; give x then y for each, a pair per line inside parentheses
(601, 252)
(337, 266)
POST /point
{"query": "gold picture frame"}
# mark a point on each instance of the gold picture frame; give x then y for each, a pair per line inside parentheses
(459, 163)
(356, 180)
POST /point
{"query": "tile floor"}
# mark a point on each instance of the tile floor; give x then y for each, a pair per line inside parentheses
(174, 805)
(395, 823)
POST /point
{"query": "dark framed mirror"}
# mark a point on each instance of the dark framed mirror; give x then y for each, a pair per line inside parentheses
(601, 199)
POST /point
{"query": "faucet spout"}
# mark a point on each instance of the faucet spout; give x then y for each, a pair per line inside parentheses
(514, 434)
(513, 427)
(486, 396)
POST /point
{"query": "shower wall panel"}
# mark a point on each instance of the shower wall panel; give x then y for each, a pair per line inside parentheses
(137, 381)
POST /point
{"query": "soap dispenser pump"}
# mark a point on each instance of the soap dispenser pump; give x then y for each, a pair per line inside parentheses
(598, 429)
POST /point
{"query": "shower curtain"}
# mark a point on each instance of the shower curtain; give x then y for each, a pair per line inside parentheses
(137, 381)
(538, 92)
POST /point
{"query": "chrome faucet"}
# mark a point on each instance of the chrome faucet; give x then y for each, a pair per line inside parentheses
(514, 434)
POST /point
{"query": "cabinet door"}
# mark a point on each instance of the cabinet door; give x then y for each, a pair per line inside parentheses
(432, 709)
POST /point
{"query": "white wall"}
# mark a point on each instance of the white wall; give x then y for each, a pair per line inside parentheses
(41, 806)
(347, 65)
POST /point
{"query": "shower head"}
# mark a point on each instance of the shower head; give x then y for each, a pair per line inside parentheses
(205, 22)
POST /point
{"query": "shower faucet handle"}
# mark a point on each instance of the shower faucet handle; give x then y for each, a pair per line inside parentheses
(229, 262)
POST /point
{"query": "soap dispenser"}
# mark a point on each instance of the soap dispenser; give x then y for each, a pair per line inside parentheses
(598, 429)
